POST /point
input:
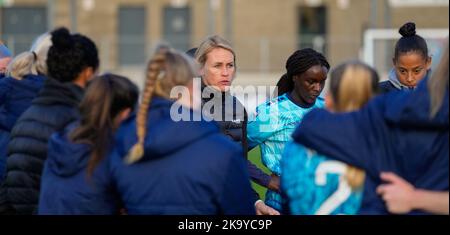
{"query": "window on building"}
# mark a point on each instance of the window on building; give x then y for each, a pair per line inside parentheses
(177, 27)
(132, 38)
(312, 28)
(21, 25)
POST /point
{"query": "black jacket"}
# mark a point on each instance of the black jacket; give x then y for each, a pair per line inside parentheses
(233, 120)
(233, 123)
(15, 98)
(55, 106)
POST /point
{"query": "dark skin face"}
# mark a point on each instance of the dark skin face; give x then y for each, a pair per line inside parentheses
(309, 85)
(411, 68)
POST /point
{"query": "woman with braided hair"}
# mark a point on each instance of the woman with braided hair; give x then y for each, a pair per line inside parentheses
(162, 166)
(275, 120)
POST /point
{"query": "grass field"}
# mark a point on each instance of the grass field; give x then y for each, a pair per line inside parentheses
(255, 156)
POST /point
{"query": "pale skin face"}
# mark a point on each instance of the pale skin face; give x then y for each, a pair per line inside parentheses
(219, 69)
(4, 63)
(411, 67)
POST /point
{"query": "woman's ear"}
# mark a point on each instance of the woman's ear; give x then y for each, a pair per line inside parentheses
(121, 117)
(124, 114)
(201, 70)
(85, 76)
(329, 103)
(295, 78)
(429, 62)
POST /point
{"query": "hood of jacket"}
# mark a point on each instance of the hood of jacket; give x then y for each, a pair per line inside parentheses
(55, 92)
(393, 79)
(164, 135)
(66, 158)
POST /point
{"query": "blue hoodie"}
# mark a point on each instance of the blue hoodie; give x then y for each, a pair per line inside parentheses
(65, 187)
(188, 167)
(393, 84)
(15, 98)
(392, 133)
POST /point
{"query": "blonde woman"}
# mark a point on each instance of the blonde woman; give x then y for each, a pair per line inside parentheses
(217, 60)
(162, 166)
(26, 75)
(72, 61)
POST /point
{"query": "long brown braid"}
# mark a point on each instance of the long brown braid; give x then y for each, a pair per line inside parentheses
(154, 71)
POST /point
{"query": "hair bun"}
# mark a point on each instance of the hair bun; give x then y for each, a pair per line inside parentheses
(408, 30)
(62, 39)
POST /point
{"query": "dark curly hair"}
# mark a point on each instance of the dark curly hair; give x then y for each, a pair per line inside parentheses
(410, 42)
(70, 54)
(298, 63)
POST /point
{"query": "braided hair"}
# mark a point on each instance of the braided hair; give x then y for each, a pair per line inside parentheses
(154, 68)
(298, 63)
(165, 70)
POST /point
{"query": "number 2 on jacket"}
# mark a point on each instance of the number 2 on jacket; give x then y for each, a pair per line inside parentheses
(343, 191)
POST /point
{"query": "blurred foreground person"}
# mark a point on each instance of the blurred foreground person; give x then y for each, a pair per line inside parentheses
(164, 166)
(76, 178)
(406, 133)
(72, 61)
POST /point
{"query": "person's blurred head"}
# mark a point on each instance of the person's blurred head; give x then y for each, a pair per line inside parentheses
(166, 70)
(72, 58)
(438, 83)
(5, 59)
(217, 62)
(411, 59)
(33, 61)
(352, 85)
(108, 100)
(306, 74)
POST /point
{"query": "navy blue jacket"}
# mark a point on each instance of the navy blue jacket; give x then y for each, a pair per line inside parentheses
(65, 186)
(15, 98)
(392, 133)
(55, 107)
(188, 167)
